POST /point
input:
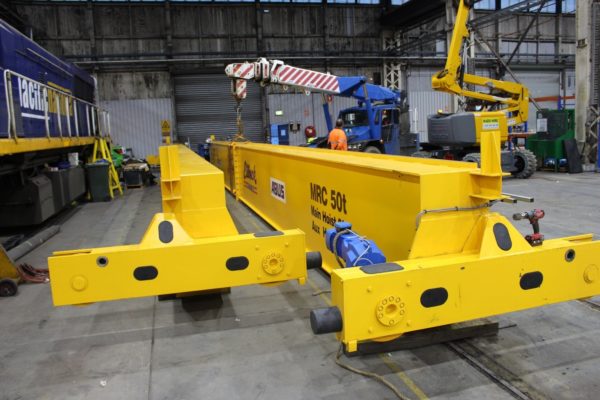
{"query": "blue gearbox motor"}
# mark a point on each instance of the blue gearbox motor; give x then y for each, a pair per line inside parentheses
(355, 250)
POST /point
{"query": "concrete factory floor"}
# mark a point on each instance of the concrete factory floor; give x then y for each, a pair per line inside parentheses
(258, 344)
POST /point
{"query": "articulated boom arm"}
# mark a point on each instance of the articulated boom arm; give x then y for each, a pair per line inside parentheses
(269, 72)
(509, 97)
(276, 72)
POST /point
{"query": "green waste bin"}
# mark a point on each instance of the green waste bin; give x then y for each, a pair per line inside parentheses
(98, 181)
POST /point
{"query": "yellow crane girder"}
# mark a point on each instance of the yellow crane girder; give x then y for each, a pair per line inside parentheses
(191, 246)
(451, 258)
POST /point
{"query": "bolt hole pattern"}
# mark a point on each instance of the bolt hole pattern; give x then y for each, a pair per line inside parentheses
(389, 311)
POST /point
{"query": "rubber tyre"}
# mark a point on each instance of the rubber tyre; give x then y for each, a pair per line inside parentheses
(526, 163)
(421, 154)
(8, 288)
(372, 150)
(474, 158)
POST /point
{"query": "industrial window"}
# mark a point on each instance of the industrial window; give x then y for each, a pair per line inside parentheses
(547, 48)
(486, 5)
(354, 1)
(238, 1)
(507, 47)
(568, 6)
(399, 2)
(550, 6)
(508, 3)
(220, 1)
(440, 47)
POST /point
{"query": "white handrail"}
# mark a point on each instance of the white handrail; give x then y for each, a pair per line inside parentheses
(87, 116)
(75, 115)
(58, 118)
(49, 91)
(68, 114)
(46, 116)
(94, 117)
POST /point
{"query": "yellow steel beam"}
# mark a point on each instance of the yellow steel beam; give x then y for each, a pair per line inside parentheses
(10, 146)
(192, 246)
(310, 189)
(181, 265)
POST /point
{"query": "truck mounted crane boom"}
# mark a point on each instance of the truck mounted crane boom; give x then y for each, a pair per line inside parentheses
(373, 101)
(277, 72)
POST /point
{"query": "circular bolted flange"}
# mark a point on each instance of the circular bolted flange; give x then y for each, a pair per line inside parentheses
(389, 310)
(273, 263)
(591, 273)
(79, 283)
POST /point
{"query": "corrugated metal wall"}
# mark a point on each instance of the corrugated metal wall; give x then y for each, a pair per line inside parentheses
(135, 124)
(204, 106)
(540, 84)
(307, 110)
(423, 100)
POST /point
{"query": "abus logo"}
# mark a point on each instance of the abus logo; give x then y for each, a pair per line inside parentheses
(249, 173)
(278, 189)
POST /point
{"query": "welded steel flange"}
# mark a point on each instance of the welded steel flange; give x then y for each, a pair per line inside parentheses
(390, 310)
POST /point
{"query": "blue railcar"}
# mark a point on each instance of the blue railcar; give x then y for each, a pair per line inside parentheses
(47, 110)
(22, 56)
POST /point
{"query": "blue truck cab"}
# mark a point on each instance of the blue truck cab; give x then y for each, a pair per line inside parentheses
(378, 124)
(383, 136)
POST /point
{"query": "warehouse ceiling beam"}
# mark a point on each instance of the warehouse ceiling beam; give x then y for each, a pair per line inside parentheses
(91, 28)
(168, 30)
(481, 21)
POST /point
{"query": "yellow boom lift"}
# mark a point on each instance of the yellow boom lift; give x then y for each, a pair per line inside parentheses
(504, 105)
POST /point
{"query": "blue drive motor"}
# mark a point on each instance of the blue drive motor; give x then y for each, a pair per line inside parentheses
(355, 250)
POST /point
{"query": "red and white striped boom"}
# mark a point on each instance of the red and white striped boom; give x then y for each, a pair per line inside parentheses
(277, 72)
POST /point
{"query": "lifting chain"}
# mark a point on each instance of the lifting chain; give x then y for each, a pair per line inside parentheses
(240, 125)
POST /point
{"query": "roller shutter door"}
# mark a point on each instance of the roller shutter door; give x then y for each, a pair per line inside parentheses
(423, 100)
(542, 84)
(204, 106)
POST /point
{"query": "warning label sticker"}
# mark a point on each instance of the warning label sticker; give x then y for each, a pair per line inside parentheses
(165, 127)
(278, 189)
(490, 124)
